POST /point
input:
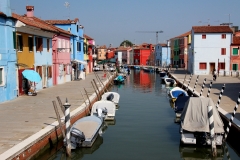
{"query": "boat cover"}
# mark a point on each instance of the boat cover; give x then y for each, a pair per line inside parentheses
(194, 116)
(176, 91)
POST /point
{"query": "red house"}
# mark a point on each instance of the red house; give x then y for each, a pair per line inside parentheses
(143, 54)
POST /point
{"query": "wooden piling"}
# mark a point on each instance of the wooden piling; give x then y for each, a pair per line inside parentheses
(60, 104)
(68, 125)
(209, 89)
(95, 90)
(58, 118)
(87, 96)
(184, 80)
(195, 85)
(220, 96)
(189, 82)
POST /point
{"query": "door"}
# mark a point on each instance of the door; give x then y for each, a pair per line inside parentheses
(44, 76)
(212, 67)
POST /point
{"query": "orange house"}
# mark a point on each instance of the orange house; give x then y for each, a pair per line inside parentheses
(143, 54)
(234, 52)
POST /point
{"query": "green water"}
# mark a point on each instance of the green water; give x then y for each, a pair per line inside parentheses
(144, 128)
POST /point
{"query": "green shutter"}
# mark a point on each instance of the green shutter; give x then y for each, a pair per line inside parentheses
(235, 51)
(14, 40)
(235, 67)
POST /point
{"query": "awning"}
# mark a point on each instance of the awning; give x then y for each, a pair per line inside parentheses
(78, 61)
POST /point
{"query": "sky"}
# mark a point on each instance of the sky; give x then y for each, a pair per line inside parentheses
(113, 21)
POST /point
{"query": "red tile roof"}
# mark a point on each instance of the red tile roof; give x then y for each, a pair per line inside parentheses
(236, 40)
(184, 34)
(36, 22)
(212, 29)
(68, 21)
(86, 36)
(2, 14)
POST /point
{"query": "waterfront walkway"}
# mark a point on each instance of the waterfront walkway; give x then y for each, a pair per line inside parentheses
(230, 95)
(24, 119)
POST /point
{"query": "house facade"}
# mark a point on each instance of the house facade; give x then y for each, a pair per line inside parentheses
(142, 54)
(8, 70)
(34, 49)
(126, 51)
(162, 52)
(234, 51)
(77, 43)
(90, 50)
(212, 42)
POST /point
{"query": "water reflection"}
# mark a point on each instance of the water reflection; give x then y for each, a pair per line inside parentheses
(193, 152)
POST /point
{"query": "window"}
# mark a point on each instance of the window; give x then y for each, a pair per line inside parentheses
(235, 67)
(14, 40)
(49, 71)
(1, 76)
(63, 45)
(223, 51)
(223, 36)
(77, 28)
(221, 65)
(30, 43)
(39, 44)
(202, 65)
(204, 36)
(48, 45)
(235, 52)
(78, 46)
(19, 42)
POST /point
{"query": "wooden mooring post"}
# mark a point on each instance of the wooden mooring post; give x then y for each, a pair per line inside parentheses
(195, 86)
(209, 89)
(85, 103)
(184, 80)
(58, 118)
(220, 96)
(189, 82)
(68, 125)
(95, 90)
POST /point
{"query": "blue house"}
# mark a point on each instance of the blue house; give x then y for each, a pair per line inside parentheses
(77, 42)
(162, 55)
(8, 78)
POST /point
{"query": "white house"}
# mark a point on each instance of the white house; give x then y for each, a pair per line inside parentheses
(210, 49)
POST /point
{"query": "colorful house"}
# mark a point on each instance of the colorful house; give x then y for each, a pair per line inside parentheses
(142, 54)
(90, 46)
(234, 52)
(126, 51)
(34, 49)
(162, 52)
(210, 49)
(77, 41)
(61, 57)
(8, 75)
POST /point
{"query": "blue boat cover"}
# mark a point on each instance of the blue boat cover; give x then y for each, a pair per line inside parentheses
(178, 93)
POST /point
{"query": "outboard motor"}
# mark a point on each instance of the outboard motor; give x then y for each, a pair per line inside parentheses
(171, 82)
(110, 97)
(77, 137)
(101, 112)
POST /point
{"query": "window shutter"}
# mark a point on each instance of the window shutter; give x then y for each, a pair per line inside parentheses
(14, 40)
(41, 44)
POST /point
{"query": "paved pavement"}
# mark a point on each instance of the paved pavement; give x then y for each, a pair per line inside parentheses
(230, 95)
(25, 116)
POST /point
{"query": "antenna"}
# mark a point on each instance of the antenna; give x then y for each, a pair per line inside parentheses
(67, 5)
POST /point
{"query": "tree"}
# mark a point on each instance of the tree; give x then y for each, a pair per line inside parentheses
(126, 43)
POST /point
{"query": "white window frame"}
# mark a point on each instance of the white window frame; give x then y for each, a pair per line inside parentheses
(3, 75)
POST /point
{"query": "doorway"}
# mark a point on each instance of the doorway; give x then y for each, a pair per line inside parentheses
(212, 67)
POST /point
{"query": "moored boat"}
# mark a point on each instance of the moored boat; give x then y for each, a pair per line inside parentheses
(179, 105)
(162, 73)
(170, 82)
(148, 69)
(176, 92)
(195, 128)
(119, 80)
(104, 105)
(111, 96)
(85, 131)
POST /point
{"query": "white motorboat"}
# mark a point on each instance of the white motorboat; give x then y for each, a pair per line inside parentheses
(194, 128)
(170, 81)
(85, 131)
(111, 96)
(103, 104)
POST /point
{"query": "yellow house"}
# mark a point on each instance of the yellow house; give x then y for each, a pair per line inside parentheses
(25, 50)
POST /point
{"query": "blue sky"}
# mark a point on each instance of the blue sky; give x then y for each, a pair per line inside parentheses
(113, 21)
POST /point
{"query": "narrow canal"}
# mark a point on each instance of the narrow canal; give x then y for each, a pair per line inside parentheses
(144, 128)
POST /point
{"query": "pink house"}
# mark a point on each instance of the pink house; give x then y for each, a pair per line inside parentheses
(61, 50)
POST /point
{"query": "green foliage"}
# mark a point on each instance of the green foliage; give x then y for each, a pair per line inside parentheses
(126, 43)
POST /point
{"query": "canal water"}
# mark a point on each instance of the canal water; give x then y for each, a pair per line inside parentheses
(144, 128)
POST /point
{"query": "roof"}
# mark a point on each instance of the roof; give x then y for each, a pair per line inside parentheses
(2, 14)
(184, 34)
(212, 29)
(122, 48)
(87, 37)
(68, 21)
(36, 22)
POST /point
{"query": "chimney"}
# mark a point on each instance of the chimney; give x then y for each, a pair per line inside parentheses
(5, 7)
(30, 11)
